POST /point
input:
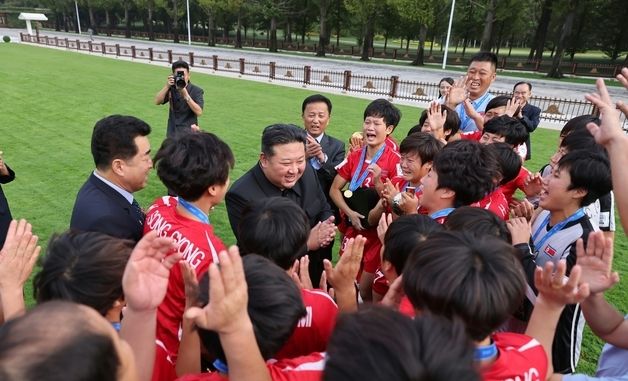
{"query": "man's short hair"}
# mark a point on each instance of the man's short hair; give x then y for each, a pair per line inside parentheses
(578, 123)
(114, 138)
(485, 57)
(422, 144)
(513, 131)
(498, 101)
(180, 64)
(452, 122)
(381, 108)
(404, 234)
(316, 98)
(56, 341)
(522, 83)
(588, 170)
(275, 306)
(275, 228)
(380, 344)
(478, 221)
(468, 168)
(509, 161)
(85, 268)
(581, 139)
(279, 134)
(191, 162)
(480, 280)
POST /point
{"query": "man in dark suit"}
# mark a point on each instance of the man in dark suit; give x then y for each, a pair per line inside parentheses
(282, 172)
(529, 115)
(323, 152)
(6, 176)
(105, 202)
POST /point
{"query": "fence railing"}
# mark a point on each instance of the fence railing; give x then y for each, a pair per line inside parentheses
(552, 109)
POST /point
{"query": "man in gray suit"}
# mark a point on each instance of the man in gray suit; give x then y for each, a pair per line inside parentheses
(323, 152)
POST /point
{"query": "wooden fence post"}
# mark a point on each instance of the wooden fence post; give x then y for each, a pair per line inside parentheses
(394, 83)
(347, 80)
(271, 70)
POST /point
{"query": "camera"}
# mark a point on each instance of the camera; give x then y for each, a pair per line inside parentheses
(179, 80)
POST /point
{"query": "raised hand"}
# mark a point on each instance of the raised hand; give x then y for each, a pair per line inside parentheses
(191, 284)
(145, 278)
(519, 229)
(458, 92)
(533, 184)
(513, 107)
(436, 120)
(300, 273)
(522, 208)
(597, 262)
(18, 255)
(384, 222)
(555, 288)
(610, 129)
(342, 277)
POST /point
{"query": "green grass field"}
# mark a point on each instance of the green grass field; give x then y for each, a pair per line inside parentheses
(51, 100)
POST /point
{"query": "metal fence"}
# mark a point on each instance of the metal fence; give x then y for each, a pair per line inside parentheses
(552, 109)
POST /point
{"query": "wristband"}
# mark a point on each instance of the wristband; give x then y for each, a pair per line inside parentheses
(188, 98)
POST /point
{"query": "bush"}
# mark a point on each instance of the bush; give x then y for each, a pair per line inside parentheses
(6, 39)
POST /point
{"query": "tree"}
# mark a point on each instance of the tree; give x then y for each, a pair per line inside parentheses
(571, 7)
(538, 44)
(613, 38)
(487, 34)
(273, 10)
(365, 11)
(323, 35)
(419, 12)
(210, 7)
(237, 7)
(149, 5)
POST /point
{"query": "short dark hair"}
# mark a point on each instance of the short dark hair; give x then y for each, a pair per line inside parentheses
(588, 170)
(468, 168)
(452, 122)
(191, 162)
(45, 343)
(485, 57)
(509, 161)
(275, 228)
(275, 306)
(480, 280)
(380, 344)
(478, 221)
(180, 64)
(579, 123)
(447, 79)
(278, 134)
(580, 139)
(498, 101)
(83, 267)
(404, 234)
(422, 144)
(316, 98)
(513, 131)
(381, 108)
(114, 138)
(522, 83)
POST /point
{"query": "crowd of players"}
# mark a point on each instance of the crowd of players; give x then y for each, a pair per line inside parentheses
(444, 272)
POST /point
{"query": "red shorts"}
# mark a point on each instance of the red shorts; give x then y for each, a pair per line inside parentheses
(371, 259)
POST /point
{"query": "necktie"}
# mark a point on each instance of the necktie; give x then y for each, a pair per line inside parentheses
(138, 211)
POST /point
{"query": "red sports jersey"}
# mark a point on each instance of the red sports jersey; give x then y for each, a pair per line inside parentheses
(389, 164)
(305, 368)
(200, 247)
(495, 202)
(520, 358)
(313, 330)
(406, 307)
(390, 142)
(473, 135)
(380, 284)
(518, 182)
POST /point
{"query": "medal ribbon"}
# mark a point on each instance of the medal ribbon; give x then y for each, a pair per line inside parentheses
(578, 214)
(194, 210)
(358, 179)
(442, 213)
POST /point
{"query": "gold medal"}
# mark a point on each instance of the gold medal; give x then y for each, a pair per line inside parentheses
(348, 193)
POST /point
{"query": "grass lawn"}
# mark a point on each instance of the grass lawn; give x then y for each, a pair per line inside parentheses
(51, 100)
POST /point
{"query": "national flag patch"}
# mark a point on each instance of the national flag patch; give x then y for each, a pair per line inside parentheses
(550, 251)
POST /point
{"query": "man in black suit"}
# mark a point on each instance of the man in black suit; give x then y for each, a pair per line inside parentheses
(323, 152)
(529, 115)
(105, 202)
(282, 171)
(6, 176)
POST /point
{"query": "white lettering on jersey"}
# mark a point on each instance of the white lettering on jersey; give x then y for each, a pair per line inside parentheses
(306, 321)
(531, 375)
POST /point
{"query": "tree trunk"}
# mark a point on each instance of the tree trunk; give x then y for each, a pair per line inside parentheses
(464, 43)
(238, 40)
(175, 21)
(211, 38)
(538, 45)
(420, 52)
(385, 41)
(485, 45)
(367, 41)
(338, 4)
(322, 36)
(408, 44)
(575, 41)
(127, 21)
(58, 21)
(499, 37)
(273, 35)
(555, 71)
(432, 43)
(92, 19)
(288, 34)
(151, 32)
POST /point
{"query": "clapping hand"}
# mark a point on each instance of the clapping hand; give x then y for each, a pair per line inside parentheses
(596, 262)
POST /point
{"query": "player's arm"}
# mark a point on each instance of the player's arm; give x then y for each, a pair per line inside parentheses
(335, 192)
(163, 95)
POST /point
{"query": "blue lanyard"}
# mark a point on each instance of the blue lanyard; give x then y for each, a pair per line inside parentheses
(221, 366)
(116, 325)
(578, 214)
(358, 179)
(194, 210)
(485, 352)
(466, 117)
(441, 213)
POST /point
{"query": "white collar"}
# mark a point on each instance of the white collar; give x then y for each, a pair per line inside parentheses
(126, 194)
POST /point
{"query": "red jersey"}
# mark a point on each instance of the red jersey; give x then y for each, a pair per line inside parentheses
(200, 247)
(495, 202)
(518, 182)
(389, 164)
(313, 330)
(406, 307)
(305, 368)
(473, 135)
(520, 358)
(380, 284)
(390, 142)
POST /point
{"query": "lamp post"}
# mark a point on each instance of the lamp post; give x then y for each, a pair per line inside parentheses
(189, 30)
(451, 20)
(78, 18)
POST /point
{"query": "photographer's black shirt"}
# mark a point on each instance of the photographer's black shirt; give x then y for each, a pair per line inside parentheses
(181, 117)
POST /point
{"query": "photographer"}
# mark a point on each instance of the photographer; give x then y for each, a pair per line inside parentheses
(186, 99)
